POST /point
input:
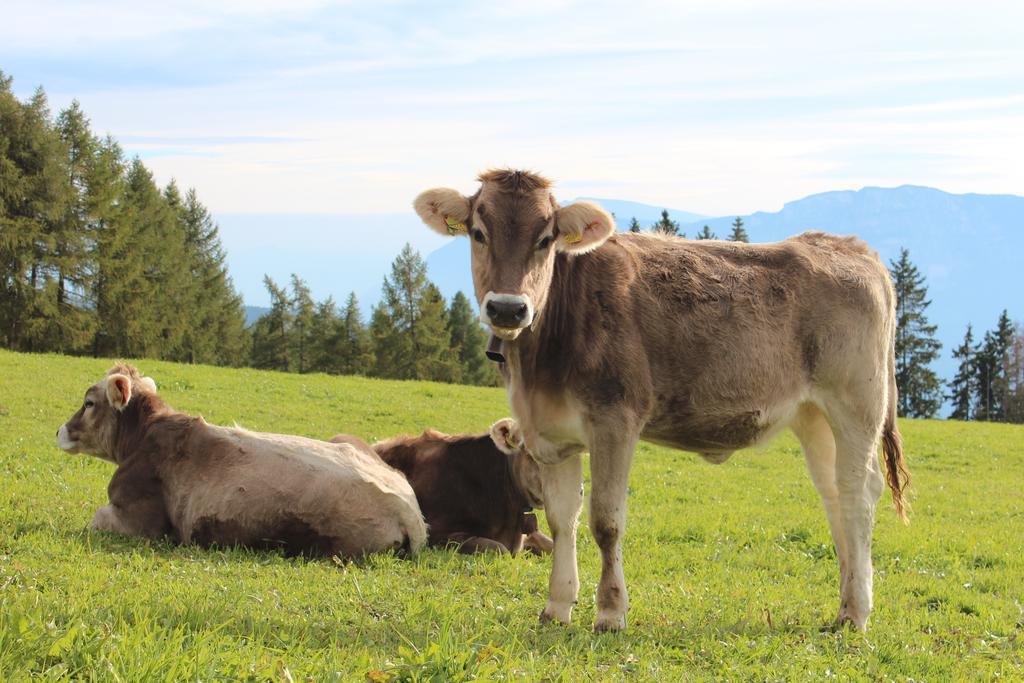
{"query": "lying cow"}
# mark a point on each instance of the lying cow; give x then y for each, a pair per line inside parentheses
(705, 346)
(180, 477)
(476, 491)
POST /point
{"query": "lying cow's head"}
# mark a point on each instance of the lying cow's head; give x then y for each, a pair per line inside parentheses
(516, 227)
(525, 472)
(92, 429)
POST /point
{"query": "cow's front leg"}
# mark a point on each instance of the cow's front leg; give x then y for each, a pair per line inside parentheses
(563, 498)
(145, 517)
(468, 544)
(610, 458)
(538, 543)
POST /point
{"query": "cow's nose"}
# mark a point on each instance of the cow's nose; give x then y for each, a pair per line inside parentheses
(506, 314)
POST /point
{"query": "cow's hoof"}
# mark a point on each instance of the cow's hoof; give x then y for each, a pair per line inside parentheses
(608, 623)
(846, 620)
(561, 614)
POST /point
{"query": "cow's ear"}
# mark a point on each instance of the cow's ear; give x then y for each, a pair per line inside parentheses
(582, 227)
(119, 390)
(444, 210)
(507, 436)
(148, 383)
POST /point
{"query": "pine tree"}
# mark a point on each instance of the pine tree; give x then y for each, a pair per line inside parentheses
(391, 348)
(992, 382)
(301, 337)
(154, 271)
(270, 335)
(1014, 372)
(397, 316)
(666, 225)
(51, 323)
(706, 234)
(469, 341)
(69, 322)
(436, 359)
(324, 337)
(962, 387)
(15, 230)
(739, 233)
(215, 332)
(113, 265)
(916, 347)
(34, 196)
(634, 224)
(353, 350)
(409, 330)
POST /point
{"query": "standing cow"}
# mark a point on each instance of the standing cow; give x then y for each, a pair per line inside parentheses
(705, 346)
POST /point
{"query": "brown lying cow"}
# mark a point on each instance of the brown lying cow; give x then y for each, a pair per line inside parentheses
(706, 346)
(476, 491)
(180, 477)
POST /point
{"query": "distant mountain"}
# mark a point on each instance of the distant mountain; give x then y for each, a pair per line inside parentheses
(969, 246)
(254, 313)
(645, 213)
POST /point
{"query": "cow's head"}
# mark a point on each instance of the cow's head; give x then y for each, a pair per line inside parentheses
(516, 227)
(92, 429)
(508, 437)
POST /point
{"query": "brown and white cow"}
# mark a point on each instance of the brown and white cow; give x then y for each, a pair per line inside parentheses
(180, 477)
(477, 491)
(706, 346)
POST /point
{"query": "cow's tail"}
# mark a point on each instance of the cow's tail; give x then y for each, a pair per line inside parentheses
(897, 474)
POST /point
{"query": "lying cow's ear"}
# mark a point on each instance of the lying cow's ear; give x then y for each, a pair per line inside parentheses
(444, 210)
(582, 227)
(119, 390)
(148, 383)
(507, 436)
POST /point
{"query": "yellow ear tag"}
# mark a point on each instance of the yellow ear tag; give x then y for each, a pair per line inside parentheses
(455, 226)
(572, 238)
(511, 442)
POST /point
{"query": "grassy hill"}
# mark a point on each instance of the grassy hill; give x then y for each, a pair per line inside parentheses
(730, 567)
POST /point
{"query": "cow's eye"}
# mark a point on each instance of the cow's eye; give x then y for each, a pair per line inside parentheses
(544, 243)
(89, 403)
(478, 235)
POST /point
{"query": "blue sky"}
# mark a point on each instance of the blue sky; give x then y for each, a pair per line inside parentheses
(321, 109)
(354, 107)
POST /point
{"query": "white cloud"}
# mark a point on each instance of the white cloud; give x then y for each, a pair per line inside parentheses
(723, 110)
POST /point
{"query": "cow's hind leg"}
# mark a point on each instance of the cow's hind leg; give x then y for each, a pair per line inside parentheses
(859, 482)
(610, 460)
(819, 446)
(563, 498)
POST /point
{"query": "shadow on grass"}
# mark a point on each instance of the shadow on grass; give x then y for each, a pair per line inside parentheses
(109, 542)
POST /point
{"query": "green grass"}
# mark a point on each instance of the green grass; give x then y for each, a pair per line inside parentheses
(730, 567)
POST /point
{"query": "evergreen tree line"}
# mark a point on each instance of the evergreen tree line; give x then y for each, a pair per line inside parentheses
(989, 382)
(95, 258)
(412, 333)
(667, 226)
